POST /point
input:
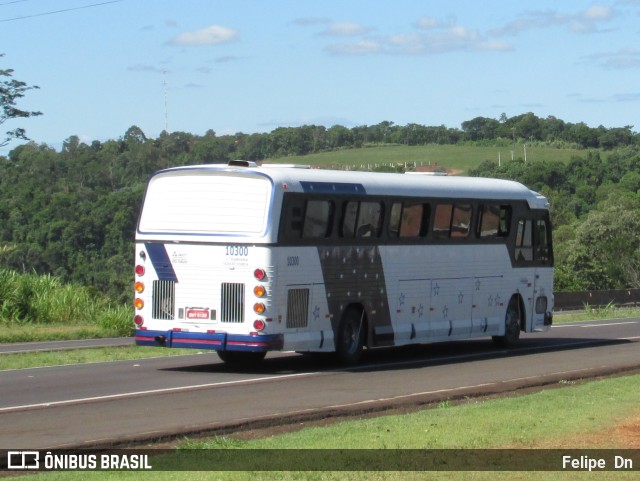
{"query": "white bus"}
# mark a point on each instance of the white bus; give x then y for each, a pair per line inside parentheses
(243, 260)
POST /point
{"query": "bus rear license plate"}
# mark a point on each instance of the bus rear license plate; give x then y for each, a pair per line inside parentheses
(197, 313)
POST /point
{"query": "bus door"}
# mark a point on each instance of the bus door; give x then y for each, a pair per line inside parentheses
(543, 280)
(534, 255)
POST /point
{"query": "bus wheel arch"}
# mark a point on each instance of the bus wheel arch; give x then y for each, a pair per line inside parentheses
(351, 335)
(514, 322)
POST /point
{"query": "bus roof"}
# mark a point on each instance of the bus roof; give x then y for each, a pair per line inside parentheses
(376, 183)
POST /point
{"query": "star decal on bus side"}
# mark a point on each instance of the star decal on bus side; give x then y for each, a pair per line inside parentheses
(401, 299)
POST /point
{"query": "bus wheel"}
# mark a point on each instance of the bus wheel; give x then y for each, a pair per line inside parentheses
(241, 358)
(511, 326)
(350, 337)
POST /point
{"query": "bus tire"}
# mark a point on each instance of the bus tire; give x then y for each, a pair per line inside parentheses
(241, 358)
(350, 339)
(511, 325)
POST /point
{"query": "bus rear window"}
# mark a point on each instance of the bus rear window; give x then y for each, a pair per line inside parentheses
(206, 203)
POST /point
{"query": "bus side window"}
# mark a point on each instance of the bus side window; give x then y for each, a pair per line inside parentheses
(415, 220)
(494, 221)
(461, 220)
(394, 220)
(349, 217)
(452, 221)
(543, 242)
(369, 219)
(505, 221)
(442, 221)
(524, 241)
(409, 220)
(293, 214)
(317, 219)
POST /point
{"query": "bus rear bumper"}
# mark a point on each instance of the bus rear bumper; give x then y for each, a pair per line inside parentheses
(219, 341)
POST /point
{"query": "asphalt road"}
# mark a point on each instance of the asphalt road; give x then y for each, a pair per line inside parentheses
(105, 403)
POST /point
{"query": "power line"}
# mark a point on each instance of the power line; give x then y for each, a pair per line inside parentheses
(9, 3)
(58, 11)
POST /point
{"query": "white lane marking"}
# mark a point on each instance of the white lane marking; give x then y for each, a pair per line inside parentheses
(560, 326)
(157, 391)
(305, 374)
(612, 324)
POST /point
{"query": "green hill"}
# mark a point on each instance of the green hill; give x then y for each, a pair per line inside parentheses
(452, 157)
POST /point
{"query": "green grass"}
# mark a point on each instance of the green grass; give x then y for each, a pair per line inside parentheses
(595, 314)
(514, 422)
(455, 157)
(84, 356)
(564, 418)
(39, 306)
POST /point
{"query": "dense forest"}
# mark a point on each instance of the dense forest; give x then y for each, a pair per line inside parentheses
(72, 213)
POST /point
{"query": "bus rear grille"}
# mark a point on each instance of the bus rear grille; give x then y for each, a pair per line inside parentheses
(164, 300)
(298, 308)
(232, 302)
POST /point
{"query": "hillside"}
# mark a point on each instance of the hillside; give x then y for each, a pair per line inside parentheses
(459, 158)
(72, 213)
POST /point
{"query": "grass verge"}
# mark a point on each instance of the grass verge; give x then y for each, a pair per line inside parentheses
(85, 356)
(582, 415)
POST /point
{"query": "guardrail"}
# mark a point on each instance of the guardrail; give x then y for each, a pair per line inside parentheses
(567, 301)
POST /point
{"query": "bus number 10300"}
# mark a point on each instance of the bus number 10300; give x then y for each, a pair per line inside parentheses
(237, 251)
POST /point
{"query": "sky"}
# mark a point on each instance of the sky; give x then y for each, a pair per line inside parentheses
(255, 65)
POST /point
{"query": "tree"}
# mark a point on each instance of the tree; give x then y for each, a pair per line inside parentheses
(481, 128)
(10, 91)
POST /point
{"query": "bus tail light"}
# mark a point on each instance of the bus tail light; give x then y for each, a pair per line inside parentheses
(260, 274)
(259, 308)
(259, 325)
(139, 303)
(139, 320)
(259, 291)
(140, 270)
(139, 287)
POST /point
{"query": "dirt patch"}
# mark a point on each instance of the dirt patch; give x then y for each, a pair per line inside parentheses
(438, 168)
(624, 435)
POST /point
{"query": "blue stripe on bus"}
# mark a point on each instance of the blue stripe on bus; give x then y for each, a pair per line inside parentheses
(161, 262)
(332, 187)
(219, 341)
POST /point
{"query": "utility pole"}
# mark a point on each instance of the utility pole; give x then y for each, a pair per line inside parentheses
(166, 111)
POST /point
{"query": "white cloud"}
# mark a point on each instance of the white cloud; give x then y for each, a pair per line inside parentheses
(585, 21)
(143, 67)
(597, 13)
(306, 21)
(345, 29)
(435, 36)
(427, 23)
(456, 38)
(361, 47)
(626, 58)
(213, 35)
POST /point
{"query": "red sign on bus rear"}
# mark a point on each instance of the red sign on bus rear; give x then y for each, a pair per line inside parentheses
(197, 313)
